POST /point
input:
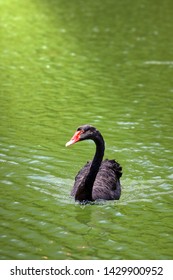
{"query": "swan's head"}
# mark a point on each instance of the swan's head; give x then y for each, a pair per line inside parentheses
(83, 132)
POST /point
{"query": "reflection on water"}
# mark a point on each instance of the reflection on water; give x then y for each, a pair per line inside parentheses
(159, 62)
(55, 77)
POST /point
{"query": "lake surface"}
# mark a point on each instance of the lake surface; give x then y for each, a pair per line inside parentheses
(66, 63)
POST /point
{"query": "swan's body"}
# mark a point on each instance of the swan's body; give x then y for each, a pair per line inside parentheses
(97, 179)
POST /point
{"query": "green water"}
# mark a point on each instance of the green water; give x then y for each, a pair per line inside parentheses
(66, 63)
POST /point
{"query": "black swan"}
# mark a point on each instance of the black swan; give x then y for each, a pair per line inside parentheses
(97, 179)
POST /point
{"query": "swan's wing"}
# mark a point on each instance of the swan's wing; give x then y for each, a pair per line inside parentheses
(80, 177)
(107, 185)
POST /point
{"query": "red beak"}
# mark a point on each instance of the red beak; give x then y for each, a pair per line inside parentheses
(74, 139)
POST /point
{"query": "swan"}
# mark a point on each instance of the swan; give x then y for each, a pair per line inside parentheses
(98, 179)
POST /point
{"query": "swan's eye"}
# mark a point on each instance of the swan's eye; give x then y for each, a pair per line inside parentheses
(81, 130)
(85, 129)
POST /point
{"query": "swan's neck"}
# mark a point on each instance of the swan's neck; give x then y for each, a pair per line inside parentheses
(96, 162)
(86, 188)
